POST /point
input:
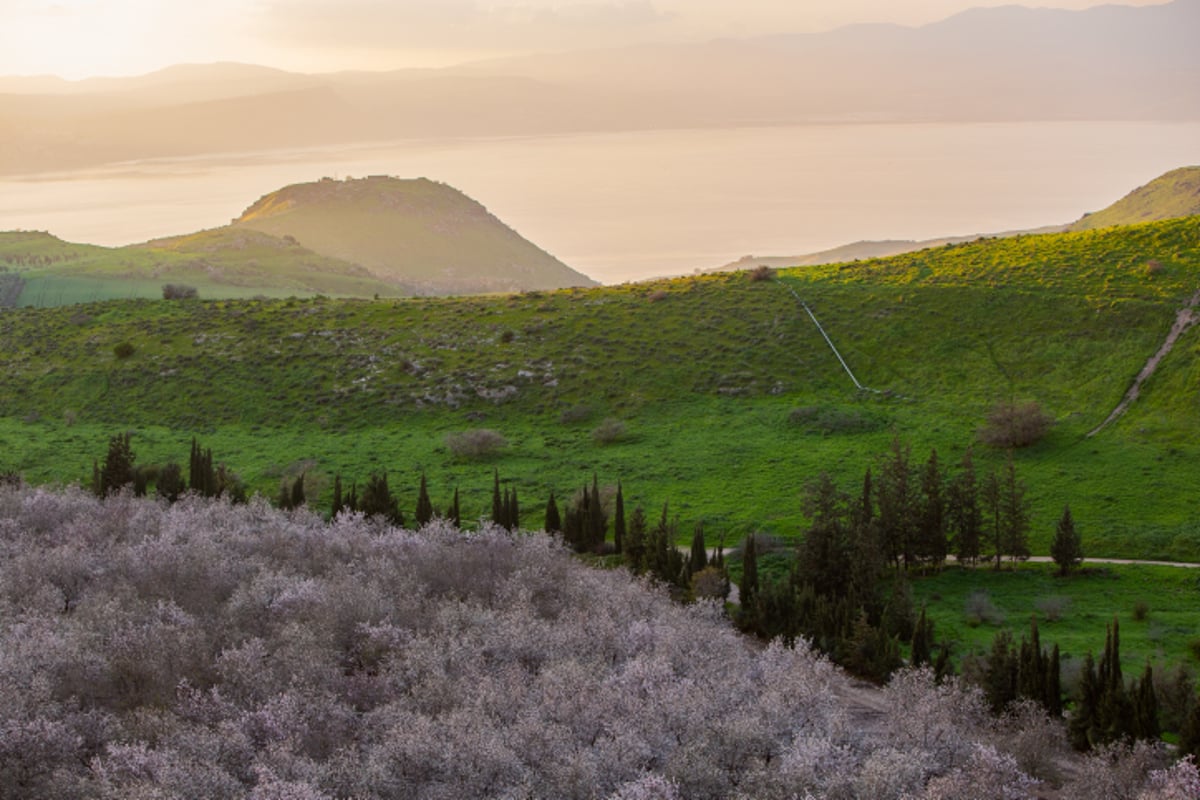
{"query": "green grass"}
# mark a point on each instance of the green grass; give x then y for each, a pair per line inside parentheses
(1175, 194)
(1088, 601)
(705, 373)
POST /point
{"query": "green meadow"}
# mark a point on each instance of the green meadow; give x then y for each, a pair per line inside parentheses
(729, 399)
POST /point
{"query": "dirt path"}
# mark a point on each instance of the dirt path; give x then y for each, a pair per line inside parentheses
(1185, 319)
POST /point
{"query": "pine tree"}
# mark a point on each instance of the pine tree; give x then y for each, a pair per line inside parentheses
(1000, 686)
(897, 509)
(991, 503)
(117, 471)
(553, 520)
(619, 522)
(1066, 549)
(424, 511)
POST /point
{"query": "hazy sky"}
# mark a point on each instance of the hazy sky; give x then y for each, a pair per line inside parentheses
(81, 38)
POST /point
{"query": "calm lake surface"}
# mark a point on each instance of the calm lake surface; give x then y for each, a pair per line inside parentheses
(634, 205)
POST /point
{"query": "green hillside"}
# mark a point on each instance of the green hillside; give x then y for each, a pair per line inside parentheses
(416, 231)
(221, 263)
(730, 398)
(1175, 194)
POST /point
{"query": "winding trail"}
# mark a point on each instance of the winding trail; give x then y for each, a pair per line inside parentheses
(1185, 319)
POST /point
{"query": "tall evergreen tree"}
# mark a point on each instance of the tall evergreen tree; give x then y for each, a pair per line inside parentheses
(351, 503)
(454, 512)
(1145, 707)
(338, 503)
(1000, 686)
(512, 513)
(1053, 697)
(1083, 726)
(553, 519)
(619, 522)
(991, 502)
(748, 589)
(377, 500)
(897, 506)
(635, 545)
(1015, 513)
(497, 500)
(118, 470)
(1066, 549)
(297, 498)
(698, 558)
(170, 483)
(597, 522)
(922, 641)
(424, 511)
(931, 529)
(964, 517)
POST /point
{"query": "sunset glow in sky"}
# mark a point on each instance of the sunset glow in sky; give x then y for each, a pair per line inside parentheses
(84, 38)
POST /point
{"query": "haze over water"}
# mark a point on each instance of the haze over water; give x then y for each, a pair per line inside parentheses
(635, 205)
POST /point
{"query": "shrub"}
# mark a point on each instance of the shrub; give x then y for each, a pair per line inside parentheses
(476, 443)
(979, 608)
(609, 431)
(657, 295)
(829, 421)
(1141, 610)
(1052, 608)
(179, 291)
(1015, 425)
(123, 350)
(761, 273)
(577, 413)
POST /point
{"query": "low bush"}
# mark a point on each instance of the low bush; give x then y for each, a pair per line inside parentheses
(476, 443)
(1014, 425)
(123, 350)
(609, 431)
(761, 273)
(979, 609)
(179, 291)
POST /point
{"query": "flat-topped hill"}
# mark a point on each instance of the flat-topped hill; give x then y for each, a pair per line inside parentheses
(420, 232)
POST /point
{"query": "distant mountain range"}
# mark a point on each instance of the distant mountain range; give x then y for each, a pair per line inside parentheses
(1175, 194)
(998, 64)
(372, 236)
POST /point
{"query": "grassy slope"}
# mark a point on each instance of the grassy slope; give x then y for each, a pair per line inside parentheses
(704, 376)
(412, 230)
(220, 263)
(1175, 194)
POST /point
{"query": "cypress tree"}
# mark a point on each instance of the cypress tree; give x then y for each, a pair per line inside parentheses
(337, 505)
(513, 512)
(1189, 734)
(453, 513)
(635, 546)
(931, 536)
(1000, 685)
(1015, 510)
(298, 498)
(1145, 707)
(619, 522)
(963, 513)
(497, 500)
(1083, 724)
(698, 559)
(922, 640)
(748, 589)
(424, 511)
(352, 497)
(170, 482)
(597, 524)
(553, 520)
(1053, 697)
(377, 500)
